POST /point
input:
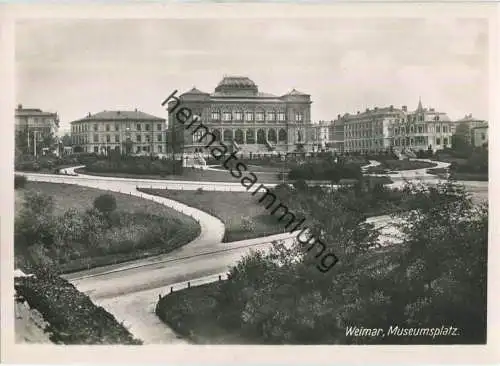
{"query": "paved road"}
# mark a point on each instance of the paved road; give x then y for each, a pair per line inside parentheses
(130, 290)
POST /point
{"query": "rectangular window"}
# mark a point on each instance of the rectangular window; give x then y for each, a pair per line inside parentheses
(259, 116)
(107, 128)
(445, 141)
(226, 116)
(271, 116)
(159, 137)
(438, 141)
(438, 129)
(215, 116)
(138, 127)
(96, 137)
(158, 126)
(96, 149)
(108, 138)
(238, 116)
(249, 116)
(298, 117)
(281, 116)
(148, 138)
(147, 126)
(138, 138)
(483, 136)
(117, 127)
(117, 138)
(445, 129)
(95, 126)
(160, 148)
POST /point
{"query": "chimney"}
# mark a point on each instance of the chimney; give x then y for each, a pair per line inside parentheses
(391, 107)
(375, 109)
(19, 106)
(338, 116)
(404, 108)
(367, 110)
(118, 113)
(357, 112)
(88, 114)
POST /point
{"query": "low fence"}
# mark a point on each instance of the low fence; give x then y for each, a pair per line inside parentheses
(193, 283)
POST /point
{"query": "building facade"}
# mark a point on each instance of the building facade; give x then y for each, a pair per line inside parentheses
(35, 127)
(128, 132)
(381, 129)
(246, 120)
(322, 135)
(479, 136)
(34, 119)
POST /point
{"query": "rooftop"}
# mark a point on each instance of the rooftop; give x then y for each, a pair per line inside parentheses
(120, 115)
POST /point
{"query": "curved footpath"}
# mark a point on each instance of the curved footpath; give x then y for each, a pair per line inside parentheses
(130, 290)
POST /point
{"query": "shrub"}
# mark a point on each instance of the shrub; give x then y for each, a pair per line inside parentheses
(20, 181)
(199, 191)
(247, 224)
(105, 203)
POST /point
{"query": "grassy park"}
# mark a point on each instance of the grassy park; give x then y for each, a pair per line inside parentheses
(241, 213)
(56, 225)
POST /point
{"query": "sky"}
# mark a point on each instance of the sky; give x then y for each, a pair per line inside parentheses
(74, 67)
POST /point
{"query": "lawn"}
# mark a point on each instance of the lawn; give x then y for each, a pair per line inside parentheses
(398, 165)
(241, 213)
(139, 228)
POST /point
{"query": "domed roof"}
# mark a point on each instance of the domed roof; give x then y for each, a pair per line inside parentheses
(236, 83)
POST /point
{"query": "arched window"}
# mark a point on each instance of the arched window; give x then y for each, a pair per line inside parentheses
(261, 136)
(238, 136)
(271, 135)
(282, 135)
(251, 136)
(228, 135)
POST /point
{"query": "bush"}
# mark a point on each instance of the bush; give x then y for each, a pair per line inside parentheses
(20, 181)
(105, 203)
(72, 317)
(199, 191)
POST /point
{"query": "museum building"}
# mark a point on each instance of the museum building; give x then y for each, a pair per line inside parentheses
(246, 120)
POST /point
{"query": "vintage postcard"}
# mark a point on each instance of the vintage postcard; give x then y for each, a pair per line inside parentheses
(277, 183)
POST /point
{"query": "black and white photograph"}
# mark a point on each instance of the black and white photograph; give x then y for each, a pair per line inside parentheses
(245, 180)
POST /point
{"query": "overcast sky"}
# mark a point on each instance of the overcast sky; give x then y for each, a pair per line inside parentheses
(75, 67)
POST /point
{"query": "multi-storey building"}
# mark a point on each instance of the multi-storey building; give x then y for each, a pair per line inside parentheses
(322, 135)
(336, 135)
(380, 129)
(479, 136)
(35, 126)
(471, 124)
(247, 120)
(34, 119)
(131, 132)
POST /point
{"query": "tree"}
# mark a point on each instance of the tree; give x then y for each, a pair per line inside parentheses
(66, 140)
(460, 140)
(105, 203)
